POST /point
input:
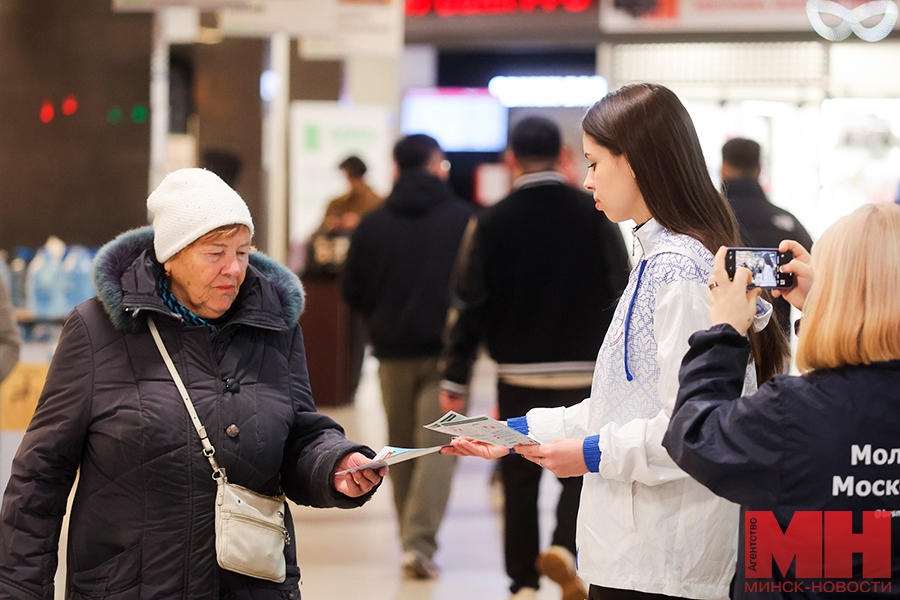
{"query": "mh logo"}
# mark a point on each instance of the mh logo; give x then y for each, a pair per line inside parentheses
(822, 542)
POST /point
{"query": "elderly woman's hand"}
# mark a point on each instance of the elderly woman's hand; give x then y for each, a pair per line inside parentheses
(730, 301)
(358, 482)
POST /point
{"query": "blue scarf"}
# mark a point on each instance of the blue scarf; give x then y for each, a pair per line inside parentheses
(165, 292)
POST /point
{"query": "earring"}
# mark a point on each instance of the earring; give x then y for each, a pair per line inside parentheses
(168, 273)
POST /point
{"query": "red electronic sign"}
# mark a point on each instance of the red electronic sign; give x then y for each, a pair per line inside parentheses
(450, 8)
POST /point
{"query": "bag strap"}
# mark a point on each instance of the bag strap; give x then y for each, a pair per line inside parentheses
(208, 450)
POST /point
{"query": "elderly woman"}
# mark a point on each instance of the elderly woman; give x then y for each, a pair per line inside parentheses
(142, 522)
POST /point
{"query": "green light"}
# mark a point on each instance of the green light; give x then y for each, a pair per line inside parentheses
(114, 115)
(139, 114)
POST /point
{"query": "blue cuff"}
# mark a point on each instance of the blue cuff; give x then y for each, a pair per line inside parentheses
(520, 424)
(592, 453)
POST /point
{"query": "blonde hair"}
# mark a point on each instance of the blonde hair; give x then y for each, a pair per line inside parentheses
(852, 313)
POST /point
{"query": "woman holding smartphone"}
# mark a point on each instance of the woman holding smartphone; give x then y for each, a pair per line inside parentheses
(819, 442)
(645, 528)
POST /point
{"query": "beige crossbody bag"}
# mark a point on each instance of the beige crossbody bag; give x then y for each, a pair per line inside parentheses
(250, 531)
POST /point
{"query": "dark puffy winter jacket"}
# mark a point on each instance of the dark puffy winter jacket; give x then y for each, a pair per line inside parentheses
(793, 446)
(142, 522)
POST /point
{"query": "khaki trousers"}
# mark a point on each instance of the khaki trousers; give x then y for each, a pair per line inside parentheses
(410, 392)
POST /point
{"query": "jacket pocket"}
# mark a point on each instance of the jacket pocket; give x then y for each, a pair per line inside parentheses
(119, 573)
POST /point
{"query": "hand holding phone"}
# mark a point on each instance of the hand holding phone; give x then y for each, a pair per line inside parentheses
(732, 300)
(802, 269)
(766, 266)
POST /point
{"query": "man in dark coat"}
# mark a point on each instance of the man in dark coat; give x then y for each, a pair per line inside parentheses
(763, 225)
(538, 280)
(396, 276)
(142, 524)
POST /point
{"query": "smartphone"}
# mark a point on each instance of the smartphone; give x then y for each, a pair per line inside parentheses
(764, 263)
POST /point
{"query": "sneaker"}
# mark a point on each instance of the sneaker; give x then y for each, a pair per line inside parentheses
(525, 593)
(418, 566)
(558, 564)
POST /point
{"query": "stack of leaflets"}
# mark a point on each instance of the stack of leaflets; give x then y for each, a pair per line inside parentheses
(481, 428)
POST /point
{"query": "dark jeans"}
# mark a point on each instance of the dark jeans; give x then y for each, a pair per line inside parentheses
(521, 482)
(603, 593)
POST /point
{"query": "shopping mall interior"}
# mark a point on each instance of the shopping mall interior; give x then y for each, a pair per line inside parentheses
(100, 99)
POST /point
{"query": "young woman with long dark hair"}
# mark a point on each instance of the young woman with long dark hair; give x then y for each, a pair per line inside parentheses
(645, 528)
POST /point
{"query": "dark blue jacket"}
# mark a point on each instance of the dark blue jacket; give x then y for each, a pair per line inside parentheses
(790, 446)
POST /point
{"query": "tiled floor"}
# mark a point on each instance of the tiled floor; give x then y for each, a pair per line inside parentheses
(351, 555)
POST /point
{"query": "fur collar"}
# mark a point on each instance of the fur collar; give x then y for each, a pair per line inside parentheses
(121, 263)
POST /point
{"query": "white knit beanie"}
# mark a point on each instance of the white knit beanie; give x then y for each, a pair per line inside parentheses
(190, 203)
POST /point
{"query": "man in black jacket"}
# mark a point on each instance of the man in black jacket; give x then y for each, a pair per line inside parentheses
(763, 225)
(537, 279)
(396, 276)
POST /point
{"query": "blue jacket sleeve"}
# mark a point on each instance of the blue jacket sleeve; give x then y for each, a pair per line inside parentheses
(732, 445)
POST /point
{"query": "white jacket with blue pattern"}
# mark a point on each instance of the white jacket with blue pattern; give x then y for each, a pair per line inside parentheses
(644, 524)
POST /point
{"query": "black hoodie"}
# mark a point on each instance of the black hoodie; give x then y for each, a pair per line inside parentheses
(399, 263)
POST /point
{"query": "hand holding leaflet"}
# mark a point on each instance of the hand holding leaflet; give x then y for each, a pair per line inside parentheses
(481, 428)
(390, 455)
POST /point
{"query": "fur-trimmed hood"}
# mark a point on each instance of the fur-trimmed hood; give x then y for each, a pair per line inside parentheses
(126, 271)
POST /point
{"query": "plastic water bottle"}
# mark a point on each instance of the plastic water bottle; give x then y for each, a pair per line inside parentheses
(18, 267)
(5, 273)
(77, 268)
(46, 284)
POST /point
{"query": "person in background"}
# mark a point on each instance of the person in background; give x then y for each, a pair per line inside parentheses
(344, 212)
(396, 277)
(537, 279)
(762, 224)
(806, 443)
(142, 522)
(645, 528)
(327, 248)
(10, 339)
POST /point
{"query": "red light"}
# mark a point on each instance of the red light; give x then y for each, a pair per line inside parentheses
(449, 8)
(47, 111)
(70, 105)
(418, 8)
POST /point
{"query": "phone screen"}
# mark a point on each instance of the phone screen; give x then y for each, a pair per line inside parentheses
(764, 264)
